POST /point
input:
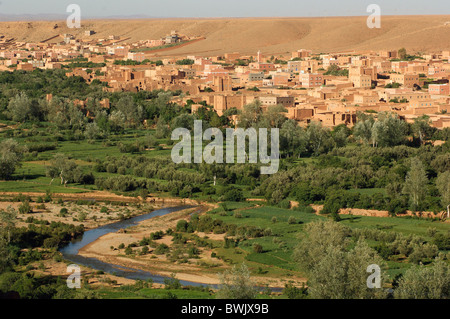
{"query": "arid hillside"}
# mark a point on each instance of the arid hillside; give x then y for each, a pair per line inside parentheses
(270, 35)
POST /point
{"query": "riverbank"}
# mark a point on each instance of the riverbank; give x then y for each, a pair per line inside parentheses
(158, 265)
(204, 268)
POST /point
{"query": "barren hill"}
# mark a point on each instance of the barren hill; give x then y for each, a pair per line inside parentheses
(270, 35)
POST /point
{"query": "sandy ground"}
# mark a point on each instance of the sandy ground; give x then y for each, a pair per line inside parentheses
(159, 264)
(270, 35)
(53, 268)
(93, 216)
(101, 249)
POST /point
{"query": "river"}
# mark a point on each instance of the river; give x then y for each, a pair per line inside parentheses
(70, 252)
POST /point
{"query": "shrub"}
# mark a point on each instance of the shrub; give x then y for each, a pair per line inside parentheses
(162, 249)
(182, 225)
(293, 292)
(25, 208)
(63, 212)
(144, 250)
(128, 250)
(257, 248)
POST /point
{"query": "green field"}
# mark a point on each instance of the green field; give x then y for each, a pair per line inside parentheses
(276, 258)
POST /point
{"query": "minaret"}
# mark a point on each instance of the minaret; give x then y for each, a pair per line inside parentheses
(259, 56)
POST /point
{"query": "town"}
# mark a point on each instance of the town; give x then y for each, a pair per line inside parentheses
(135, 160)
(330, 88)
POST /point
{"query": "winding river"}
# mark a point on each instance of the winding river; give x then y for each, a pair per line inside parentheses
(70, 252)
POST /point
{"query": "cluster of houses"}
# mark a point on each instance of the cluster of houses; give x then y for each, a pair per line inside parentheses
(330, 88)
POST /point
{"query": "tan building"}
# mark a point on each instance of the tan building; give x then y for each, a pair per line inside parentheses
(403, 94)
(406, 80)
(361, 81)
(226, 102)
(365, 99)
(286, 101)
(301, 54)
(439, 89)
(389, 54)
(221, 84)
(310, 80)
(232, 56)
(359, 70)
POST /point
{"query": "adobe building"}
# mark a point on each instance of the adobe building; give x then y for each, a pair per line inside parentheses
(225, 102)
(366, 98)
(300, 113)
(439, 89)
(136, 56)
(286, 101)
(389, 54)
(222, 84)
(311, 80)
(406, 80)
(361, 81)
(264, 67)
(232, 56)
(360, 70)
(301, 54)
(402, 94)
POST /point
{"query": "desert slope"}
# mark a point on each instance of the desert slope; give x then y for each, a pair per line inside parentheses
(270, 35)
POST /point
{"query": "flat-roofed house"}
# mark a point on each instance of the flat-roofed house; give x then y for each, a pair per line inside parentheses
(361, 81)
(311, 80)
(439, 89)
(407, 80)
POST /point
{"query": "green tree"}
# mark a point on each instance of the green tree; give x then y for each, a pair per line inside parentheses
(293, 139)
(64, 168)
(92, 131)
(133, 113)
(318, 237)
(343, 275)
(422, 128)
(318, 138)
(162, 129)
(402, 54)
(8, 221)
(334, 271)
(389, 130)
(416, 184)
(237, 284)
(250, 115)
(363, 128)
(11, 154)
(425, 282)
(21, 108)
(443, 185)
(275, 115)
